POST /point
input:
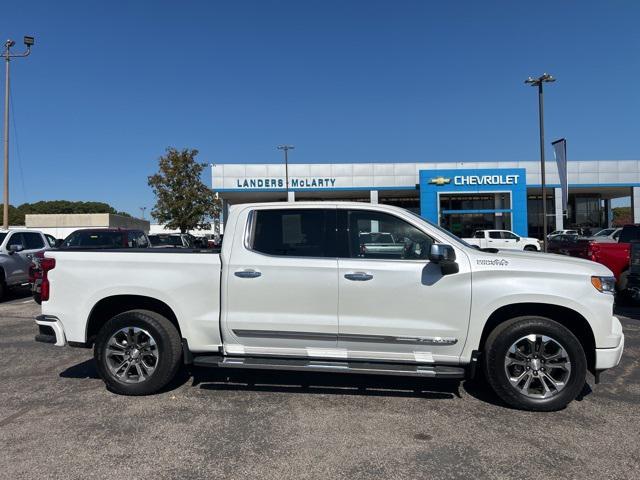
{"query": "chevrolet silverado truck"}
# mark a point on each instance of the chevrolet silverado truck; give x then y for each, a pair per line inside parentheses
(502, 239)
(294, 289)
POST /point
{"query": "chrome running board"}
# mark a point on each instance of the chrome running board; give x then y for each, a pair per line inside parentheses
(296, 364)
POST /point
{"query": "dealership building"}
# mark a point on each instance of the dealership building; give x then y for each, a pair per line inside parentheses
(459, 196)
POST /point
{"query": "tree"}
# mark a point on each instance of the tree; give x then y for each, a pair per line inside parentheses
(621, 216)
(16, 214)
(183, 201)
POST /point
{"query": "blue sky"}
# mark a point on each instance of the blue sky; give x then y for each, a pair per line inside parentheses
(110, 84)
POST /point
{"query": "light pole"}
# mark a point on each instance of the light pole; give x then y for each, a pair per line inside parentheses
(538, 82)
(143, 209)
(286, 149)
(28, 41)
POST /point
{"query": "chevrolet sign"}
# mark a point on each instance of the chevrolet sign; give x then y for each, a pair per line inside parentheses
(440, 181)
(484, 180)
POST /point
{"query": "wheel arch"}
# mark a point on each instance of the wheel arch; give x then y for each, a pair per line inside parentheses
(572, 320)
(113, 305)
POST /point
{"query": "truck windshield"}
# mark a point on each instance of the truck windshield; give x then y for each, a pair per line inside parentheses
(3, 236)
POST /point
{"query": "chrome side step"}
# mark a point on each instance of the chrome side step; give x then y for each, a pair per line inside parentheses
(307, 365)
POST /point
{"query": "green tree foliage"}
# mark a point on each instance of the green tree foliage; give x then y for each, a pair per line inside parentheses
(16, 214)
(621, 216)
(183, 201)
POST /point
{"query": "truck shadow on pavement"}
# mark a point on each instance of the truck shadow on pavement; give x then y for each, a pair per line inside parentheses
(318, 383)
(324, 383)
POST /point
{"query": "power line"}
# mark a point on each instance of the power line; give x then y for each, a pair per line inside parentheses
(15, 137)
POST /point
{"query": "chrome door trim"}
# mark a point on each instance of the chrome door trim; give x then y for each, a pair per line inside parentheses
(285, 334)
(350, 337)
(356, 337)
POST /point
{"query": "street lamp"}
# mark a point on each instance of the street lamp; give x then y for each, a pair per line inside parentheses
(286, 149)
(28, 41)
(143, 209)
(538, 82)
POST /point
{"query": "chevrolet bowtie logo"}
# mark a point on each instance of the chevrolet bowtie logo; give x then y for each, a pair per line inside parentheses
(440, 181)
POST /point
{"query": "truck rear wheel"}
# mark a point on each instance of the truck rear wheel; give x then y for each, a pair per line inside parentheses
(138, 352)
(534, 363)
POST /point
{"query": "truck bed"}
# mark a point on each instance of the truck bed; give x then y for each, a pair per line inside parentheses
(186, 280)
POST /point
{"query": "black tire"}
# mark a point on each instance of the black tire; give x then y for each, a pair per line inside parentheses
(530, 248)
(623, 282)
(507, 334)
(169, 352)
(3, 289)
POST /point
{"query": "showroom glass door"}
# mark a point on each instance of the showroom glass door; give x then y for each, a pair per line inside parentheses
(463, 214)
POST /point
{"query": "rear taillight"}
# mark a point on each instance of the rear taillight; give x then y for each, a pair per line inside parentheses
(592, 252)
(46, 264)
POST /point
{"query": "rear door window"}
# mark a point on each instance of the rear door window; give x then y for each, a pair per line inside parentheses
(294, 232)
(33, 241)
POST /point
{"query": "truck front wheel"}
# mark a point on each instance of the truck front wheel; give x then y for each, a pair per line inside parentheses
(534, 363)
(137, 352)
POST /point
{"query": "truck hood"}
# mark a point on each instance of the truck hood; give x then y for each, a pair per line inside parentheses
(514, 260)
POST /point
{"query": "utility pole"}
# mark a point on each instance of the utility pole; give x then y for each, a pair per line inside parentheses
(286, 149)
(28, 41)
(538, 82)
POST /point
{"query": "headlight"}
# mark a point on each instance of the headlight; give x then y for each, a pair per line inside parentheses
(604, 284)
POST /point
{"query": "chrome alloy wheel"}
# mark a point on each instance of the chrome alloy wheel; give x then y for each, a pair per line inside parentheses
(537, 366)
(131, 355)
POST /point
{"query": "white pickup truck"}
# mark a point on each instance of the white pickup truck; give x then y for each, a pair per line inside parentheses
(294, 288)
(503, 239)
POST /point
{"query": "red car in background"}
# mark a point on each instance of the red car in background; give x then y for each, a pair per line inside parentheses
(615, 256)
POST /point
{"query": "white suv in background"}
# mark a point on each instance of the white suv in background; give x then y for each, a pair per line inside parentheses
(17, 248)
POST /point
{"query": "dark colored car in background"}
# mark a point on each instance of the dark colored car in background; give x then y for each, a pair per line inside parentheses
(567, 244)
(106, 238)
(97, 238)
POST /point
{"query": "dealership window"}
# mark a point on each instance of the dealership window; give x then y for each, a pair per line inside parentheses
(382, 236)
(465, 225)
(294, 232)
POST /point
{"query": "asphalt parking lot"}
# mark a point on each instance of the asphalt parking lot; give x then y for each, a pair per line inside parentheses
(58, 421)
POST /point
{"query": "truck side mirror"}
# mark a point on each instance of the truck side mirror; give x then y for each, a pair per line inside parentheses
(445, 256)
(15, 248)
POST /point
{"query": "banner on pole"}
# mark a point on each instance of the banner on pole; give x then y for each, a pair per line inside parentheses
(560, 152)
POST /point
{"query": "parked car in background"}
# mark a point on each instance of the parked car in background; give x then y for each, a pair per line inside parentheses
(380, 244)
(17, 248)
(566, 244)
(607, 235)
(502, 239)
(633, 281)
(562, 232)
(293, 290)
(615, 256)
(171, 240)
(105, 238)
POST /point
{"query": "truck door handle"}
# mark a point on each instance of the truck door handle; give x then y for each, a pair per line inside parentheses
(358, 276)
(247, 274)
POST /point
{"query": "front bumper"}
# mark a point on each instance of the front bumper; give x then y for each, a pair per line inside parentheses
(610, 357)
(50, 330)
